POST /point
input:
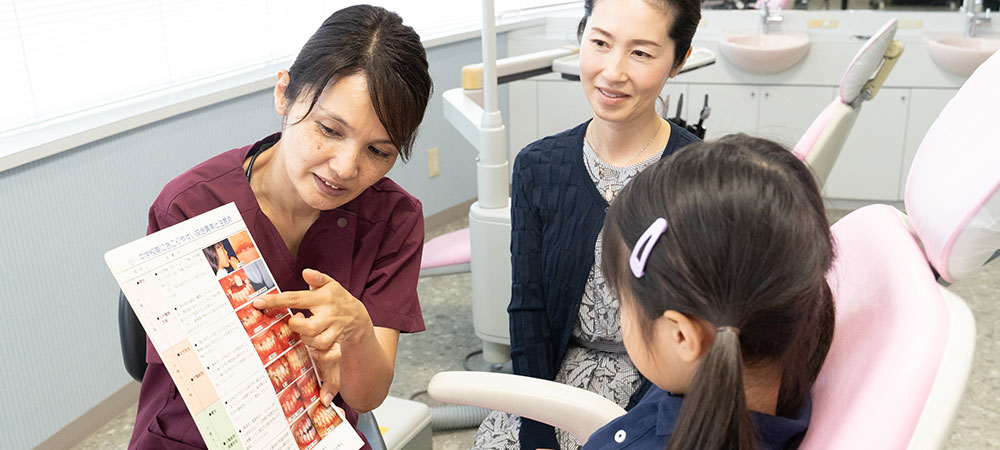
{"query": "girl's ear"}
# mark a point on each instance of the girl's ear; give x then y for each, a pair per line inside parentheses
(688, 336)
(280, 104)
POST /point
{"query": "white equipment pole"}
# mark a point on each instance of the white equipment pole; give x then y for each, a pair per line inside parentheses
(489, 217)
(492, 162)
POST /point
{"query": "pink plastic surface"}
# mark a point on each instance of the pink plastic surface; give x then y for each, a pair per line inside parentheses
(807, 143)
(892, 325)
(956, 171)
(447, 249)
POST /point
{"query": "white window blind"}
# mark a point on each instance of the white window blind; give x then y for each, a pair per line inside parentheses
(66, 57)
(20, 109)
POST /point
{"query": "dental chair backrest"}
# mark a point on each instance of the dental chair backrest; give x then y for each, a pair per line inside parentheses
(958, 218)
(822, 142)
(904, 344)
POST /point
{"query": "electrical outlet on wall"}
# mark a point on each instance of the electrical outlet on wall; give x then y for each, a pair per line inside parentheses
(433, 162)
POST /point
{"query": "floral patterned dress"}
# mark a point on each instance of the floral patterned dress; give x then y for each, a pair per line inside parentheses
(595, 358)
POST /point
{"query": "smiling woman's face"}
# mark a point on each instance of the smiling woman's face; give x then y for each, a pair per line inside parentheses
(339, 149)
(625, 58)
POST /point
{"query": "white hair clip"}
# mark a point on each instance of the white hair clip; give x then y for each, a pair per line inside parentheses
(640, 253)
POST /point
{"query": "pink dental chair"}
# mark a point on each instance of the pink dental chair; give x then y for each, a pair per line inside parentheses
(903, 344)
(819, 146)
(909, 359)
(447, 254)
(822, 142)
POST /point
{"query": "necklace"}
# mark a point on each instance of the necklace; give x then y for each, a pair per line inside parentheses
(622, 173)
(642, 150)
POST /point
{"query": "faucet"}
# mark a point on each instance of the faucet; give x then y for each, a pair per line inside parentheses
(972, 18)
(767, 18)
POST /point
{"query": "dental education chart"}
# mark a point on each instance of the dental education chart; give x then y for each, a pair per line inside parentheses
(245, 376)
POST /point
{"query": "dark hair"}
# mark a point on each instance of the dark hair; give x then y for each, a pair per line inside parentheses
(369, 40)
(686, 15)
(212, 256)
(213, 259)
(747, 245)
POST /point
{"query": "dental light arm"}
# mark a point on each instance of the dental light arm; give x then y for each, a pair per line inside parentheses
(515, 67)
(464, 107)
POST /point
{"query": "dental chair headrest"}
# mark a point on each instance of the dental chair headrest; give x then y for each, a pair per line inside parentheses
(866, 62)
(951, 192)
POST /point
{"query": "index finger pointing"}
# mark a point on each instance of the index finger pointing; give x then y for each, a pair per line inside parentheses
(290, 299)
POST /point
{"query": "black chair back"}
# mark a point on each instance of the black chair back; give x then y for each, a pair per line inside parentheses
(133, 339)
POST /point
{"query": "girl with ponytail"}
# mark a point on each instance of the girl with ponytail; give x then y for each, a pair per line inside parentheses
(719, 256)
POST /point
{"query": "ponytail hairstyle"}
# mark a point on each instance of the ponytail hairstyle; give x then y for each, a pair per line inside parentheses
(746, 248)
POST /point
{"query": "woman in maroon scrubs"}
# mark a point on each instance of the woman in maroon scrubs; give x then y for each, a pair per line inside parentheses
(342, 241)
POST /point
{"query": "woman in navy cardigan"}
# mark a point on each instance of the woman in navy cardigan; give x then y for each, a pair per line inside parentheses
(564, 321)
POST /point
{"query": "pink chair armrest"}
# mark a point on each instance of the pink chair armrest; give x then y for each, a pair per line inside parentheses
(447, 249)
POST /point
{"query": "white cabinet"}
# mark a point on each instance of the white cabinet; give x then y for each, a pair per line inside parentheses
(734, 108)
(871, 167)
(787, 111)
(522, 125)
(779, 113)
(868, 167)
(925, 106)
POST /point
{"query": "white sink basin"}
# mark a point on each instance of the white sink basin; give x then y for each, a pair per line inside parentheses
(960, 55)
(764, 53)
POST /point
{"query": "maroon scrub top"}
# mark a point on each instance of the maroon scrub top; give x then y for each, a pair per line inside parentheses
(371, 246)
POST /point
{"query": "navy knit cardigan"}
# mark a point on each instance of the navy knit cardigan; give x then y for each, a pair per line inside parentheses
(556, 215)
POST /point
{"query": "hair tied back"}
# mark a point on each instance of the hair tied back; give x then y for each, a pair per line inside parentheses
(640, 253)
(730, 329)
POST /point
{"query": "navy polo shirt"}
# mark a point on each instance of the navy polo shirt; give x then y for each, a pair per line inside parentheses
(650, 423)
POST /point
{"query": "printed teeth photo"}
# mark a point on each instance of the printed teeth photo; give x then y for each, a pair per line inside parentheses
(285, 334)
(253, 320)
(280, 375)
(291, 401)
(298, 359)
(267, 345)
(309, 387)
(304, 432)
(325, 418)
(237, 288)
(243, 246)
